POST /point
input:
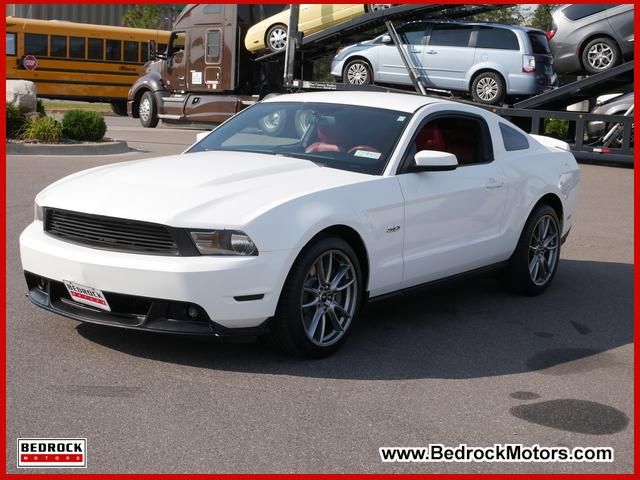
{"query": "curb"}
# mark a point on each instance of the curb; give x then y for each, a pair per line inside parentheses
(103, 148)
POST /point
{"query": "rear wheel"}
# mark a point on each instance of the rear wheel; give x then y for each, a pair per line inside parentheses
(535, 260)
(357, 72)
(320, 300)
(148, 110)
(488, 88)
(276, 38)
(600, 54)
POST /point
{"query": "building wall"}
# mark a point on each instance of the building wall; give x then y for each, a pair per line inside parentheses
(97, 14)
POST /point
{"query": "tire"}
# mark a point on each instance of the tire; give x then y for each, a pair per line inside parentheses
(119, 108)
(521, 275)
(488, 88)
(148, 110)
(357, 72)
(600, 55)
(276, 38)
(309, 321)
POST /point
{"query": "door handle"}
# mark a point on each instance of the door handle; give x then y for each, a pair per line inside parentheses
(415, 50)
(431, 52)
(181, 77)
(493, 183)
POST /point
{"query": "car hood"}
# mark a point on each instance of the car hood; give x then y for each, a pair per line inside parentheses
(199, 190)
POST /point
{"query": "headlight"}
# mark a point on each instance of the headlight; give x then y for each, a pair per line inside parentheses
(224, 242)
(38, 212)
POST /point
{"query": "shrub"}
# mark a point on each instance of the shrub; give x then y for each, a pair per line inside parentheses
(556, 127)
(83, 125)
(15, 121)
(40, 108)
(42, 129)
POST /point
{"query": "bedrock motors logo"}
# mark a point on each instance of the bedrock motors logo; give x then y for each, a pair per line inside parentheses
(52, 452)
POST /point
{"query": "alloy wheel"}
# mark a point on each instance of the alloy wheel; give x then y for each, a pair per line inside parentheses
(600, 56)
(277, 38)
(487, 89)
(329, 298)
(543, 250)
(357, 74)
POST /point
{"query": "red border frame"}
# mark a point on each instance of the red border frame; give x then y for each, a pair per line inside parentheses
(3, 333)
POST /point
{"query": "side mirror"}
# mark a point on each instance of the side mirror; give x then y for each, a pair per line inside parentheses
(386, 39)
(200, 136)
(434, 161)
(153, 52)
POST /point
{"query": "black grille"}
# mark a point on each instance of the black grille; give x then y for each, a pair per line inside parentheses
(110, 233)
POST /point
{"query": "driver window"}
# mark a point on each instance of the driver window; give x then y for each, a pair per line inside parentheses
(178, 41)
(466, 137)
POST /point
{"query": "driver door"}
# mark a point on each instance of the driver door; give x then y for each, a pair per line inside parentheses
(453, 219)
(176, 63)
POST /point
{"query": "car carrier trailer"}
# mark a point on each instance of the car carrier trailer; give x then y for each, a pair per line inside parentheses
(214, 76)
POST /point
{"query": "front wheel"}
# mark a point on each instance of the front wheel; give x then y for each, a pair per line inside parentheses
(488, 88)
(148, 111)
(320, 300)
(535, 260)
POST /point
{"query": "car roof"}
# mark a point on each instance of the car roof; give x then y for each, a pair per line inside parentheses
(476, 22)
(403, 102)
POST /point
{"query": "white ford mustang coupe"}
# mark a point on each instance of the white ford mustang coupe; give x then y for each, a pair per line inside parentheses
(288, 217)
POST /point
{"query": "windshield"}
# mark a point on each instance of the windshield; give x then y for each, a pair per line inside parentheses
(347, 137)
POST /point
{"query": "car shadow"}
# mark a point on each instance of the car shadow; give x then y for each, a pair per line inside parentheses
(466, 329)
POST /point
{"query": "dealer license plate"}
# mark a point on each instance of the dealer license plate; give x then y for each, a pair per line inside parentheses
(87, 295)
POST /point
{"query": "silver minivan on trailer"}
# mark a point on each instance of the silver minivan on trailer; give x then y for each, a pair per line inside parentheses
(489, 61)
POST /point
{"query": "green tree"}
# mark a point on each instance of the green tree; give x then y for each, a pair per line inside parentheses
(147, 16)
(509, 15)
(541, 17)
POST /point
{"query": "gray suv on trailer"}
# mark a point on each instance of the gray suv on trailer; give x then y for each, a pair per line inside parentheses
(591, 38)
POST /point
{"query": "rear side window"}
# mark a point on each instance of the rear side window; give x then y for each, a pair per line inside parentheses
(450, 35)
(513, 140)
(58, 46)
(130, 51)
(578, 11)
(113, 50)
(213, 46)
(11, 43)
(539, 43)
(36, 44)
(96, 49)
(76, 47)
(498, 38)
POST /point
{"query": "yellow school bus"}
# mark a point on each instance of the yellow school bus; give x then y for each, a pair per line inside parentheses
(77, 61)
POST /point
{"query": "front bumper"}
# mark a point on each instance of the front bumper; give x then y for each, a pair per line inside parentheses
(232, 292)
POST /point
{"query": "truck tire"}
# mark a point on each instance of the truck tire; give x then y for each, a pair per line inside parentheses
(148, 110)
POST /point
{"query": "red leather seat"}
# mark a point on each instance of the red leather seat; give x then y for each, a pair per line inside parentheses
(330, 139)
(430, 138)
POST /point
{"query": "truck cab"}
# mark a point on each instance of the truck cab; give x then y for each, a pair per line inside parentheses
(206, 74)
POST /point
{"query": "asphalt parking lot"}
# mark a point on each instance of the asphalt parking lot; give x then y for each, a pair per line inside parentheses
(466, 363)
